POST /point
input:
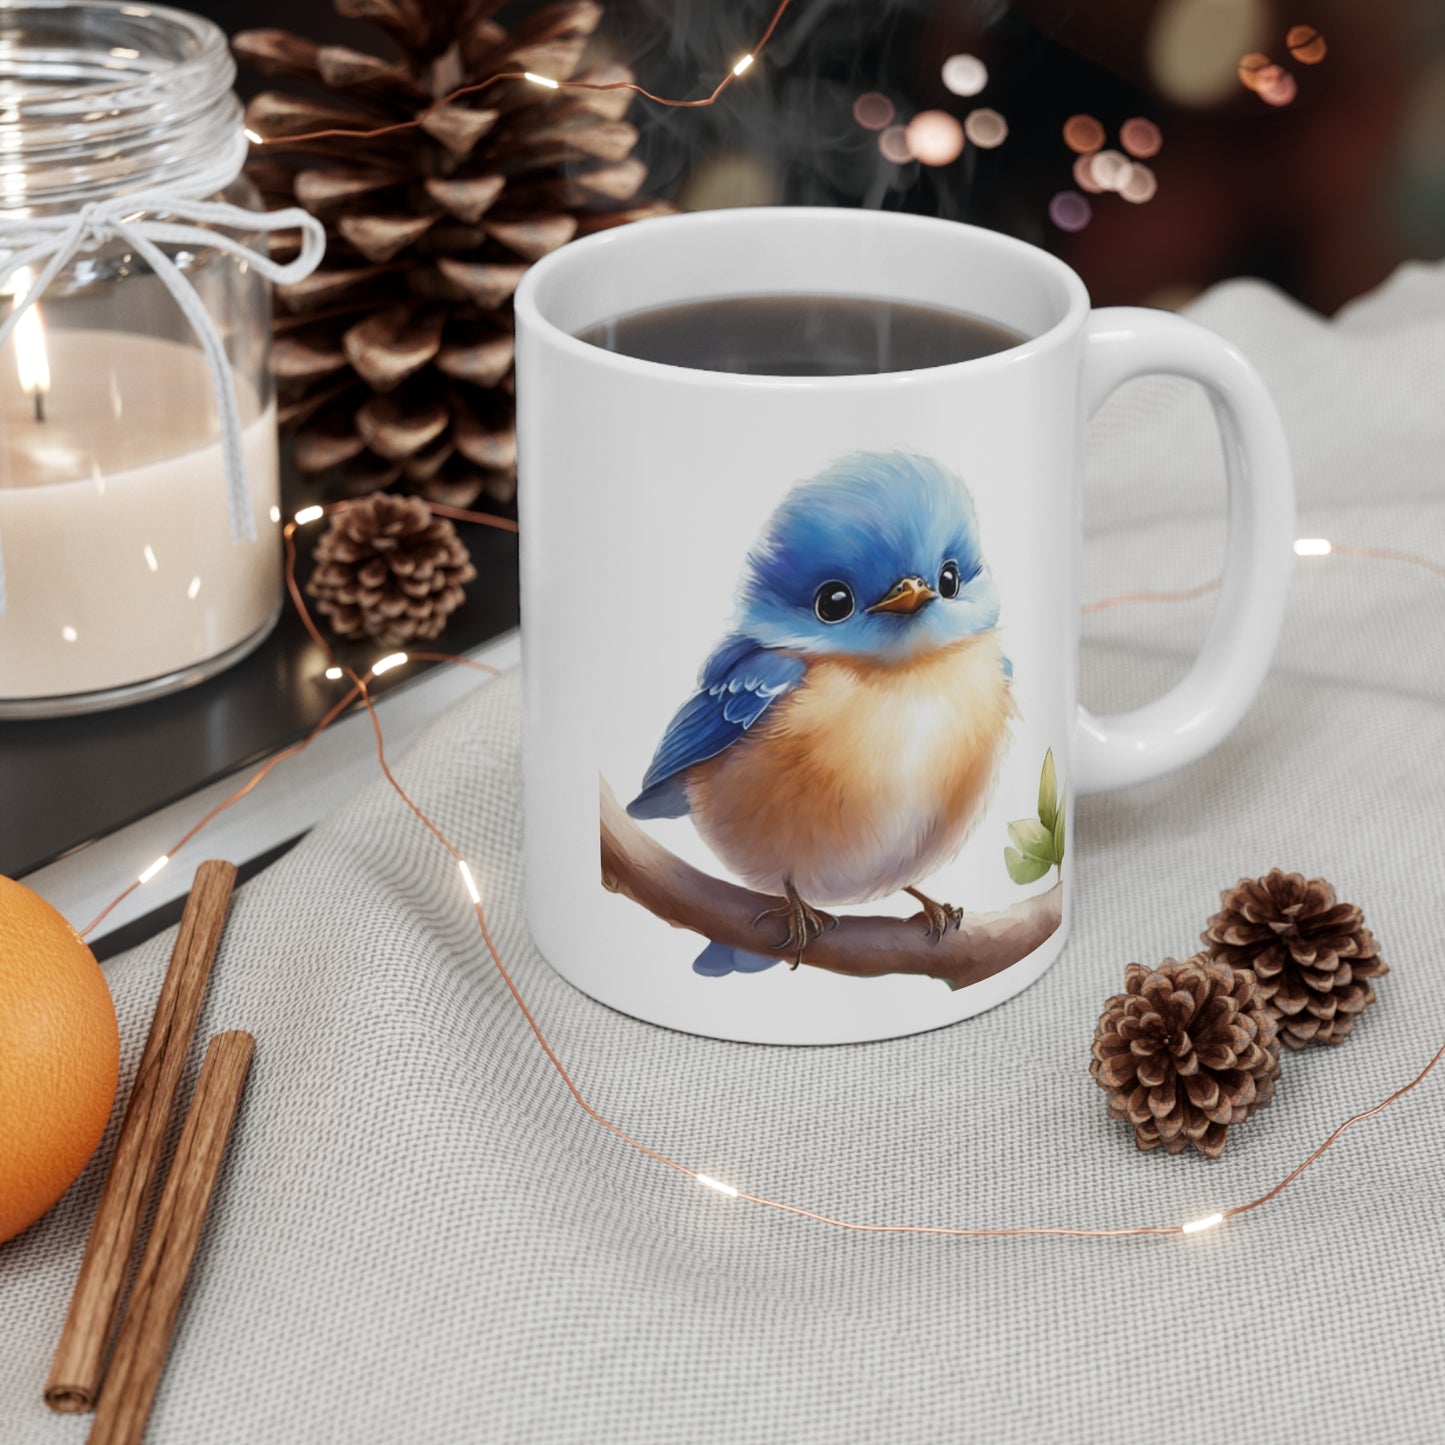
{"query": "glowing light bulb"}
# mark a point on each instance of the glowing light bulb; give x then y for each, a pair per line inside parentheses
(1313, 547)
(469, 880)
(742, 64)
(542, 80)
(309, 514)
(333, 673)
(275, 513)
(708, 1182)
(385, 664)
(149, 873)
(256, 140)
(1196, 1225)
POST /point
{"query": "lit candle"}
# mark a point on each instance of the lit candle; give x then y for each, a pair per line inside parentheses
(113, 518)
(31, 359)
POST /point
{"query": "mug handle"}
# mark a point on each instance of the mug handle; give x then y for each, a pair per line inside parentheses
(1197, 713)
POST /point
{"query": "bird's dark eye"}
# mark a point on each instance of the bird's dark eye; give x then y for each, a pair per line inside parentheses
(833, 602)
(948, 579)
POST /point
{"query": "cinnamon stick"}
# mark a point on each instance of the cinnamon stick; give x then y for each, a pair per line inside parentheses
(155, 1298)
(75, 1372)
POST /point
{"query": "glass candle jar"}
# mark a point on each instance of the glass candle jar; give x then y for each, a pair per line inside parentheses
(128, 566)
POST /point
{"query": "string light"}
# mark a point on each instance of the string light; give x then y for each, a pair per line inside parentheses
(251, 136)
(148, 873)
(309, 514)
(1196, 1226)
(385, 664)
(1313, 547)
(546, 81)
(333, 674)
(708, 1182)
(359, 692)
(471, 882)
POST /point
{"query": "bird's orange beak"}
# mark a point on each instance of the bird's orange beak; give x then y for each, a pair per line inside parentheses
(907, 595)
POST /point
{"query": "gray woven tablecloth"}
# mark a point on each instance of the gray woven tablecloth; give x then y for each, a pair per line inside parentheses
(419, 1238)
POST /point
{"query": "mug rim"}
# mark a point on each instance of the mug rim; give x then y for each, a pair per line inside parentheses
(529, 306)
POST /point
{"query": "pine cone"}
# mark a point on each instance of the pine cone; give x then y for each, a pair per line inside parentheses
(394, 360)
(388, 570)
(1185, 1051)
(1312, 956)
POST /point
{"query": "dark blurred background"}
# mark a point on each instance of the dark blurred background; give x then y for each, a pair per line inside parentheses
(1302, 141)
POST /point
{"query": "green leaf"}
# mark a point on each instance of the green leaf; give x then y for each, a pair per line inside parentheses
(1032, 839)
(1024, 870)
(1059, 831)
(1048, 792)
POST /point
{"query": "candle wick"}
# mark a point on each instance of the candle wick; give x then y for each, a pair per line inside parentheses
(39, 404)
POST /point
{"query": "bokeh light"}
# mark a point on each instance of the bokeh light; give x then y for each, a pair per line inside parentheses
(985, 128)
(1306, 44)
(1110, 170)
(1070, 211)
(1252, 66)
(873, 111)
(1278, 87)
(934, 137)
(1083, 134)
(1140, 184)
(1140, 137)
(965, 74)
(894, 144)
(1084, 175)
(1194, 46)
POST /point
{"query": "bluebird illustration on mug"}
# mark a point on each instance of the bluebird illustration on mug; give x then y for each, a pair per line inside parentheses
(844, 739)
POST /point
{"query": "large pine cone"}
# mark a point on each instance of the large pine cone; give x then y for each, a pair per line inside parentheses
(1185, 1051)
(1313, 956)
(388, 570)
(394, 360)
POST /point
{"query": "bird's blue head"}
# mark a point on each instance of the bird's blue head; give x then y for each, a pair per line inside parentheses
(876, 557)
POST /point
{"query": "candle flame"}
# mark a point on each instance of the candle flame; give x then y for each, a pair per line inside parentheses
(31, 359)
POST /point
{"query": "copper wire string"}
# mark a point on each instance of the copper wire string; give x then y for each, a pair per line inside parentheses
(360, 690)
(372, 133)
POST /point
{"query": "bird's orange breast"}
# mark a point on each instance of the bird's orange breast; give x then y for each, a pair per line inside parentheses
(866, 778)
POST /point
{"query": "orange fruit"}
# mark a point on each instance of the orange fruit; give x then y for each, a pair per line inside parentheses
(59, 1056)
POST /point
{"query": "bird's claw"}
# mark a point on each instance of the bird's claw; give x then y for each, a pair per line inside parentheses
(804, 924)
(938, 918)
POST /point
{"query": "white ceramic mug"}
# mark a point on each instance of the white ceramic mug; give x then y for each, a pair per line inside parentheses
(780, 753)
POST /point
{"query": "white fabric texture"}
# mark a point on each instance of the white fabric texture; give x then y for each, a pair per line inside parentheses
(419, 1237)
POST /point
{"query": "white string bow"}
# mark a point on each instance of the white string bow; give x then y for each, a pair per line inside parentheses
(52, 242)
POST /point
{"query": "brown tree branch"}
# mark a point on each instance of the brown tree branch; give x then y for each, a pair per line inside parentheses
(864, 947)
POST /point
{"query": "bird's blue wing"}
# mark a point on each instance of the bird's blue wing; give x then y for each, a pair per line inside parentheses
(739, 683)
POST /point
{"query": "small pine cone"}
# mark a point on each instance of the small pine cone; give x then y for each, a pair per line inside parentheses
(1312, 956)
(1185, 1051)
(387, 569)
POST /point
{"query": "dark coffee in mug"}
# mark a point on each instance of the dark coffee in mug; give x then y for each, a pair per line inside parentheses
(801, 335)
